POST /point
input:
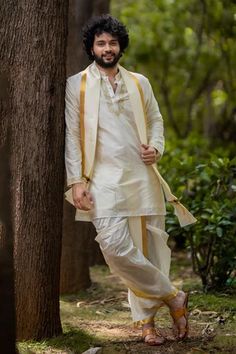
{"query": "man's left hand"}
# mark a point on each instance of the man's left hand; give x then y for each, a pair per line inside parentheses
(148, 154)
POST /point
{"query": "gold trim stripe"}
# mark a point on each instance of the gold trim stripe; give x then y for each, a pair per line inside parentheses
(141, 95)
(165, 298)
(144, 236)
(81, 112)
(143, 322)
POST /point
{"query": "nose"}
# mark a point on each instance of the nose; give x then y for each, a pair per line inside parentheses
(107, 47)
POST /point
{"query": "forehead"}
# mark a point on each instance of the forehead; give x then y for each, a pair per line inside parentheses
(105, 37)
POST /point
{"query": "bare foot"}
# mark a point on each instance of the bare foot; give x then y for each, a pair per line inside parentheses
(178, 311)
(151, 336)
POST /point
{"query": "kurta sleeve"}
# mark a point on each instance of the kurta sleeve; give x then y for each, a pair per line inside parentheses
(155, 129)
(72, 138)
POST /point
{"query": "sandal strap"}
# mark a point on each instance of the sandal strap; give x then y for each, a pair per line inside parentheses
(176, 314)
(149, 331)
(152, 336)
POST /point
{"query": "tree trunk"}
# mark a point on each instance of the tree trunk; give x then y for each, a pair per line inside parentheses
(7, 303)
(79, 13)
(33, 51)
(208, 122)
(75, 253)
(79, 250)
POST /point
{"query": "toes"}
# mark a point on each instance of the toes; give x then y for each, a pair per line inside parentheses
(182, 333)
(153, 339)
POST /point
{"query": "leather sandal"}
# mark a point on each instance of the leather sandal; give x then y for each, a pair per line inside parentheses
(177, 314)
(150, 336)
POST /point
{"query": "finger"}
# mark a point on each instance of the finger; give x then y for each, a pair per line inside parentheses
(149, 154)
(85, 208)
(142, 151)
(89, 197)
(85, 205)
(148, 158)
(145, 146)
(82, 204)
(150, 150)
(87, 201)
(149, 161)
(77, 204)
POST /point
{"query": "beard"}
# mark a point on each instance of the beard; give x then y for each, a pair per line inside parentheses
(107, 64)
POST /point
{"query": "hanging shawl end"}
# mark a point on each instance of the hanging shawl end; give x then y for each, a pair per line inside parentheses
(184, 216)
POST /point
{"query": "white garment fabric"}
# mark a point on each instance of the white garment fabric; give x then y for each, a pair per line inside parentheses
(147, 278)
(148, 122)
(122, 184)
(159, 254)
(73, 156)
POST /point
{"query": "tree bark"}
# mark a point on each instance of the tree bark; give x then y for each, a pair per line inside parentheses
(33, 51)
(79, 250)
(7, 301)
(75, 253)
(79, 13)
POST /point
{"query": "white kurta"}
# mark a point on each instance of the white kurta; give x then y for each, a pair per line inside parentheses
(122, 185)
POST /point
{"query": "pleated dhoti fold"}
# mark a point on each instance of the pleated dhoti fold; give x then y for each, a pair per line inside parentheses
(135, 249)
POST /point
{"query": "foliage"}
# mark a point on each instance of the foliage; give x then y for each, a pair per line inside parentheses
(206, 182)
(187, 49)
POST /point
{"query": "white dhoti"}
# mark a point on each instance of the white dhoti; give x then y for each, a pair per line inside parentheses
(138, 253)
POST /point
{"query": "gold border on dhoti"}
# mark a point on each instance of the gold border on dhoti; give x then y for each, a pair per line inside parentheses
(143, 322)
(164, 298)
(144, 236)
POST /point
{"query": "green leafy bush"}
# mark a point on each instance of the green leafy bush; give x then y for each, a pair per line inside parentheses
(206, 183)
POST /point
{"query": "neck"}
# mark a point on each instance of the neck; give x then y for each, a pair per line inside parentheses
(110, 72)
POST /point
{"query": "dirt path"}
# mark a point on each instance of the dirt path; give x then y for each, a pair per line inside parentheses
(100, 317)
(103, 313)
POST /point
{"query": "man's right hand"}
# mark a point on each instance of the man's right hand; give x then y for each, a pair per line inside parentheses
(82, 197)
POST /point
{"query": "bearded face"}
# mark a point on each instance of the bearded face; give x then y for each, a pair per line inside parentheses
(106, 50)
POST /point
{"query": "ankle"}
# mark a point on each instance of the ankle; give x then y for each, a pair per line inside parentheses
(176, 300)
(148, 325)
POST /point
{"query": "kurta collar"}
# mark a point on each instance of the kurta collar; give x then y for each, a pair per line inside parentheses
(101, 75)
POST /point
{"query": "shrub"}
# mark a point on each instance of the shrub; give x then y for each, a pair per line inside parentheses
(206, 183)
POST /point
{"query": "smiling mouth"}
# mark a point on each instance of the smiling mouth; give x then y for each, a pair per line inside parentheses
(110, 56)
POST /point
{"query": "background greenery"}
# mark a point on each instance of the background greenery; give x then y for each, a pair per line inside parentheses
(187, 48)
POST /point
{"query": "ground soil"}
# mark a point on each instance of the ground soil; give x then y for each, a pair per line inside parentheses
(100, 317)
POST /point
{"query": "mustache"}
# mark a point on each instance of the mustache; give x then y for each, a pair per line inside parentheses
(108, 53)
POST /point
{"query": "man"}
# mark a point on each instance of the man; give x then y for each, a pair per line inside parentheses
(114, 136)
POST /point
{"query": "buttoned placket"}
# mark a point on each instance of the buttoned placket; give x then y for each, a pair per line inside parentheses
(114, 96)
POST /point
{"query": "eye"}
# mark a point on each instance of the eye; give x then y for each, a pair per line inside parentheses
(100, 43)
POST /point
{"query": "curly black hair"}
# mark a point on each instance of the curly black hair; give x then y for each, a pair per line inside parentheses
(100, 24)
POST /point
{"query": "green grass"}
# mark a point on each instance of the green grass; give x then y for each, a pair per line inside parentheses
(72, 341)
(214, 302)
